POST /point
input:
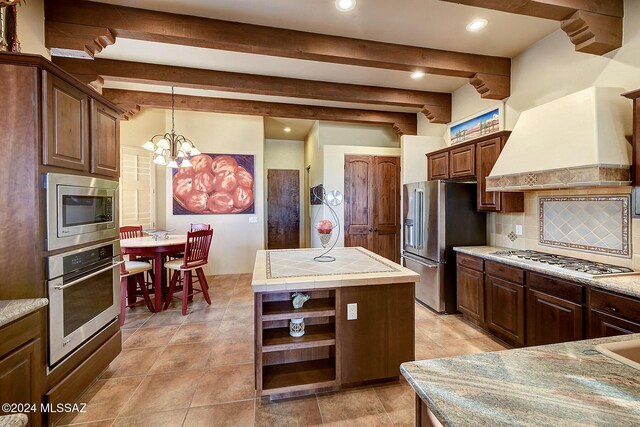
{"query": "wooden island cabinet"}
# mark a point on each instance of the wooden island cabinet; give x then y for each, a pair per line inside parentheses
(359, 325)
(529, 308)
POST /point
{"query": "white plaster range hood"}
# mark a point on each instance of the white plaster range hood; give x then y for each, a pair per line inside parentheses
(574, 141)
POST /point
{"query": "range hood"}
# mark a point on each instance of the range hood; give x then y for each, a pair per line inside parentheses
(574, 141)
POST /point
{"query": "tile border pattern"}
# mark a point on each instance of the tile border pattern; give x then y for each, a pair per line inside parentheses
(269, 276)
(625, 221)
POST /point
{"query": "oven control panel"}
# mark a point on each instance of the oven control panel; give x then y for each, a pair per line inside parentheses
(87, 258)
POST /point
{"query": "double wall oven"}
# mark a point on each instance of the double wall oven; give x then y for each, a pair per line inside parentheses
(83, 284)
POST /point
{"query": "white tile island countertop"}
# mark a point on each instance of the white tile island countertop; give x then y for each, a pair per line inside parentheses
(295, 269)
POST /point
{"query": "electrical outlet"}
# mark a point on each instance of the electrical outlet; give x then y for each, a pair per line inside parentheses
(253, 219)
(518, 230)
(352, 311)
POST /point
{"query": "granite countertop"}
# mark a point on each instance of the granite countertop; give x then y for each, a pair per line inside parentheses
(552, 385)
(627, 285)
(14, 309)
(14, 420)
(295, 269)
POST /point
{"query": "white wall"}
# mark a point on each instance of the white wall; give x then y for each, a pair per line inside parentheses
(414, 159)
(235, 239)
(333, 133)
(31, 27)
(285, 154)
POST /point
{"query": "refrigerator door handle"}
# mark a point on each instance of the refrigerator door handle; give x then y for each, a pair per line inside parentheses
(422, 263)
(420, 218)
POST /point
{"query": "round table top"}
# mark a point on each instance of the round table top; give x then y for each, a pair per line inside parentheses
(150, 242)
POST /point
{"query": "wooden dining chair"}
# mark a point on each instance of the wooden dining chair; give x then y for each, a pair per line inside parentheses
(196, 251)
(131, 232)
(200, 227)
(132, 281)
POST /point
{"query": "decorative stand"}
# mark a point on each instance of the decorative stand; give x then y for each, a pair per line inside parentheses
(325, 227)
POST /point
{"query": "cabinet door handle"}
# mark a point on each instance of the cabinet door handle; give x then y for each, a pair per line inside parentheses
(613, 309)
(370, 230)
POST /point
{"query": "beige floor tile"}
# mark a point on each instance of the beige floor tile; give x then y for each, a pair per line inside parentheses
(460, 347)
(239, 313)
(103, 423)
(104, 399)
(206, 313)
(223, 415)
(135, 319)
(180, 357)
(225, 384)
(428, 349)
(165, 318)
(196, 332)
(298, 412)
(126, 333)
(399, 402)
(163, 392)
(240, 331)
(165, 419)
(230, 352)
(130, 362)
(353, 408)
(151, 337)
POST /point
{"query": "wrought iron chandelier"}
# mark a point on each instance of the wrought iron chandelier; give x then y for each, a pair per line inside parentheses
(170, 148)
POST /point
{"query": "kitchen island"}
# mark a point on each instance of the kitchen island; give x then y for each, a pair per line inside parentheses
(552, 385)
(359, 320)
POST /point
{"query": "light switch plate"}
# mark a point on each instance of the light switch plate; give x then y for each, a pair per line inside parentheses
(518, 230)
(352, 311)
(253, 219)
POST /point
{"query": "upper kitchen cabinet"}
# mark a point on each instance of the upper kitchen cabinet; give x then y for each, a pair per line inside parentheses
(66, 124)
(105, 137)
(474, 160)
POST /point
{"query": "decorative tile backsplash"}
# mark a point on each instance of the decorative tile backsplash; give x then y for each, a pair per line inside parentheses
(598, 224)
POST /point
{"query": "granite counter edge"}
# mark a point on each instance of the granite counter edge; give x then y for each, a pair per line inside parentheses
(12, 310)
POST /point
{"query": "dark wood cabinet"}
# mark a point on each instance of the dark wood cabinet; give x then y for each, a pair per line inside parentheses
(504, 309)
(20, 364)
(463, 163)
(438, 166)
(612, 314)
(470, 293)
(105, 137)
(487, 153)
(552, 320)
(66, 125)
(604, 325)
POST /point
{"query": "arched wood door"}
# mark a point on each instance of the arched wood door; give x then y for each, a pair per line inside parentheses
(372, 204)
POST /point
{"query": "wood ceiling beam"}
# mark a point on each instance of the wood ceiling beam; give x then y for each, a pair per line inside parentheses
(80, 28)
(436, 105)
(593, 26)
(132, 101)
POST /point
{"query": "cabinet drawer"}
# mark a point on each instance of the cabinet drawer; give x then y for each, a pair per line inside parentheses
(555, 287)
(505, 272)
(463, 162)
(615, 304)
(470, 262)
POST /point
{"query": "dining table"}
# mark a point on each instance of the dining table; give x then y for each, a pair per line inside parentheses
(158, 249)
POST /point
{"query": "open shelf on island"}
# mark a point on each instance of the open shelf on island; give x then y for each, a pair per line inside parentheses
(291, 377)
(280, 310)
(278, 339)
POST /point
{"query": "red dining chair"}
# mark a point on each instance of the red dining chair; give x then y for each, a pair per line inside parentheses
(131, 232)
(196, 251)
(131, 278)
(200, 227)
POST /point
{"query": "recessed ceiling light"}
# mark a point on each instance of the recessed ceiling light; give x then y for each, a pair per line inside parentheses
(287, 129)
(417, 75)
(345, 5)
(476, 25)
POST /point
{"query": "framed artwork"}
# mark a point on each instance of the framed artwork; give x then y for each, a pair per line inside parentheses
(215, 184)
(481, 124)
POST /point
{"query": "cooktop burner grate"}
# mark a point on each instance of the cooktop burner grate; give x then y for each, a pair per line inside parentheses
(566, 262)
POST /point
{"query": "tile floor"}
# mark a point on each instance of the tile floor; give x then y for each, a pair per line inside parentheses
(197, 370)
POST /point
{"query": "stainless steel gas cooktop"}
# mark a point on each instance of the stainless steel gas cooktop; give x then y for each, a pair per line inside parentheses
(576, 266)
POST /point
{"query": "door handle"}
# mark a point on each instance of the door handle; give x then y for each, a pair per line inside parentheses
(370, 230)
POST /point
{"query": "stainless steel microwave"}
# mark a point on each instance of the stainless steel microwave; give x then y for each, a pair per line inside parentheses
(80, 210)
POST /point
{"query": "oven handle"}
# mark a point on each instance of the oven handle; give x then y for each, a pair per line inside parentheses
(83, 278)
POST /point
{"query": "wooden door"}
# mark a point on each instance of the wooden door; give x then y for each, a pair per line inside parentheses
(372, 204)
(105, 140)
(463, 162)
(386, 214)
(283, 209)
(604, 325)
(358, 201)
(504, 311)
(438, 166)
(552, 320)
(66, 125)
(470, 295)
(487, 153)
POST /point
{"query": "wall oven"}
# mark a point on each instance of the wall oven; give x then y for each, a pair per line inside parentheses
(84, 296)
(80, 210)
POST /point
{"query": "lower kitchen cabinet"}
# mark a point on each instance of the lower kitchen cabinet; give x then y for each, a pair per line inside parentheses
(504, 315)
(604, 325)
(470, 296)
(611, 314)
(20, 365)
(552, 320)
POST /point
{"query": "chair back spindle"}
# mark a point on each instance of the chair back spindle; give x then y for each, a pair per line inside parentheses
(196, 249)
(130, 231)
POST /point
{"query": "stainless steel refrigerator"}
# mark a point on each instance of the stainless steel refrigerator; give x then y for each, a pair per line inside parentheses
(438, 215)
